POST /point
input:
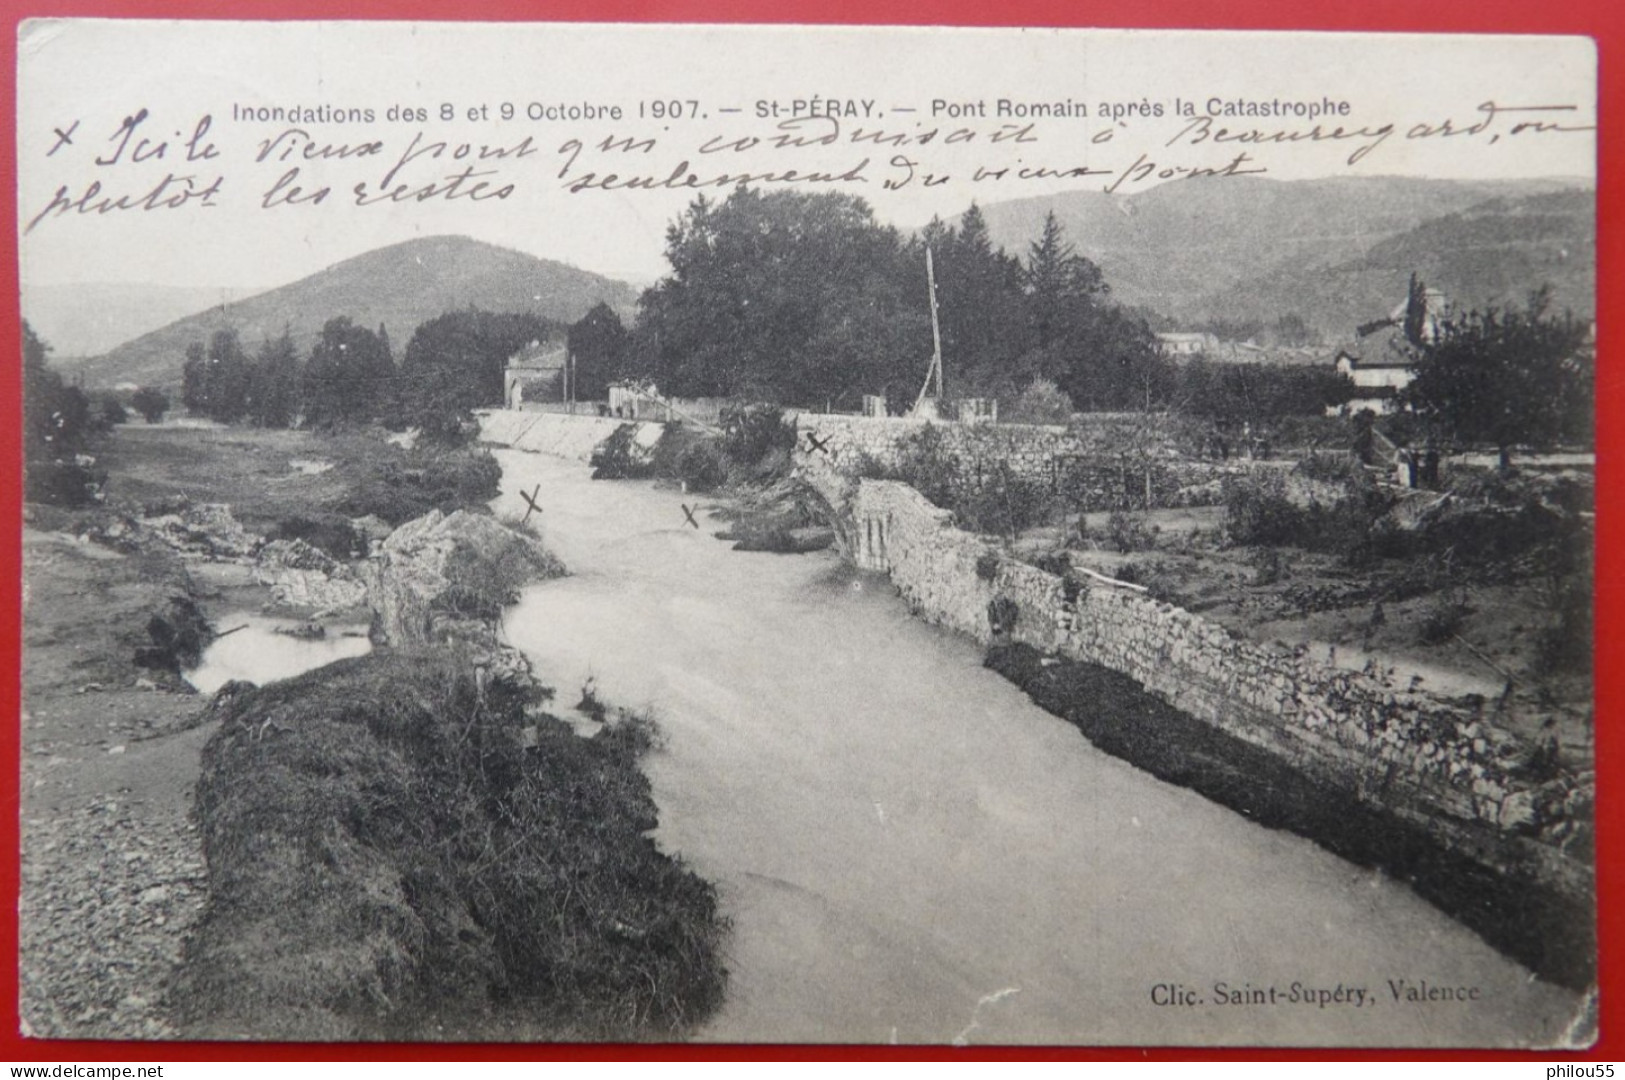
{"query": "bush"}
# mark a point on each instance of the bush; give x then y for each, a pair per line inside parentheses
(1257, 511)
(151, 403)
(427, 478)
(1565, 646)
(701, 465)
(1042, 402)
(1331, 468)
(113, 413)
(1128, 532)
(1268, 566)
(63, 483)
(619, 457)
(332, 533)
(1442, 619)
(750, 433)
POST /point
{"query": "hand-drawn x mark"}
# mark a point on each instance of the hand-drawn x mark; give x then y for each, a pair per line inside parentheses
(689, 514)
(530, 500)
(814, 443)
(63, 138)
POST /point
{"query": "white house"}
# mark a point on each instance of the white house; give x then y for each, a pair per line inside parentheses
(1381, 360)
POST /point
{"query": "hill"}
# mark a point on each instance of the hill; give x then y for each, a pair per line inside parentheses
(398, 287)
(1495, 252)
(87, 319)
(1248, 246)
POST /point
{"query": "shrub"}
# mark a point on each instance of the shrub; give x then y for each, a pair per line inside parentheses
(750, 433)
(1268, 566)
(151, 403)
(701, 465)
(1127, 532)
(63, 483)
(1442, 619)
(987, 566)
(619, 457)
(427, 478)
(1257, 511)
(1565, 646)
(332, 533)
(1002, 613)
(1042, 402)
(114, 413)
(1331, 468)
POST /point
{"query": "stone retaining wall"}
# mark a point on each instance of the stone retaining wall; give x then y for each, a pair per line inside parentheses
(1102, 461)
(1433, 761)
(553, 433)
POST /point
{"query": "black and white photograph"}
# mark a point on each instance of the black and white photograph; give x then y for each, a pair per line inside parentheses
(555, 533)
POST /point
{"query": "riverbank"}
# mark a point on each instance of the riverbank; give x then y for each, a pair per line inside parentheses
(127, 933)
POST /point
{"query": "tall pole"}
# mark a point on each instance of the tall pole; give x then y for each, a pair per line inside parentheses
(935, 370)
(936, 331)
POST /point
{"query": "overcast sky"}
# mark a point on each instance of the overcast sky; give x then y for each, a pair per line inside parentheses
(94, 74)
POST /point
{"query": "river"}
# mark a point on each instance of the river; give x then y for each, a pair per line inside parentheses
(911, 851)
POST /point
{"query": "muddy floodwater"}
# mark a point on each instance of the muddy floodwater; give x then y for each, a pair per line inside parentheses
(255, 648)
(911, 851)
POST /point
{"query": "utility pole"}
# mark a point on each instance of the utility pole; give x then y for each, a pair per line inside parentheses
(936, 336)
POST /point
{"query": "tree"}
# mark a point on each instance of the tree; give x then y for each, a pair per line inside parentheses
(195, 380)
(1099, 355)
(350, 375)
(56, 416)
(151, 403)
(57, 424)
(1507, 377)
(228, 376)
(983, 306)
(1234, 395)
(113, 413)
(1059, 281)
(273, 385)
(788, 297)
(598, 345)
(454, 364)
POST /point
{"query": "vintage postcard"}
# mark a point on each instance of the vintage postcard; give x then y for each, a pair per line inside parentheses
(806, 535)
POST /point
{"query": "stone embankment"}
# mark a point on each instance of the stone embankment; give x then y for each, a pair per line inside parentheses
(1103, 461)
(559, 434)
(1438, 765)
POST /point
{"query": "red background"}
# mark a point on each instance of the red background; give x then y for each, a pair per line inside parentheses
(1596, 18)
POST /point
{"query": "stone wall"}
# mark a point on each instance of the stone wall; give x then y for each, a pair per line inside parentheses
(1432, 761)
(558, 434)
(1102, 461)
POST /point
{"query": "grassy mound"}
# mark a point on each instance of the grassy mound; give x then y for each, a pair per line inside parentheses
(394, 852)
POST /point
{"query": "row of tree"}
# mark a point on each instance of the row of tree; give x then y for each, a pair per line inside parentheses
(805, 299)
(452, 364)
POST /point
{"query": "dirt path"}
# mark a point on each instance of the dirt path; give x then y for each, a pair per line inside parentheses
(112, 875)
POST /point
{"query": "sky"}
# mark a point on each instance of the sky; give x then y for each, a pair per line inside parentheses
(909, 119)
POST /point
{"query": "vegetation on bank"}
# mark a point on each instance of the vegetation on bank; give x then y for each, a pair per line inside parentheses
(754, 446)
(399, 848)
